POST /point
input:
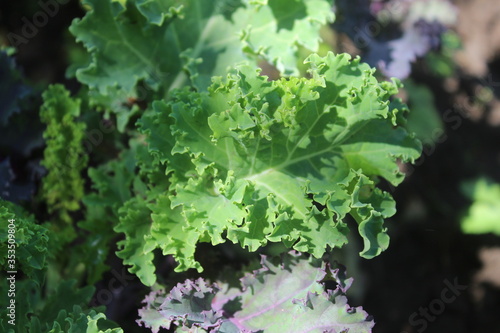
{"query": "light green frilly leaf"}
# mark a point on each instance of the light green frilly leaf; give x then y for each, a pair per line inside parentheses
(64, 156)
(255, 161)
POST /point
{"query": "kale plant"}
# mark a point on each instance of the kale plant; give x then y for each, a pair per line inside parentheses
(207, 149)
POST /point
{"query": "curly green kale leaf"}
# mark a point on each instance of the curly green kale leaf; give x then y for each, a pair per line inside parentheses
(276, 298)
(31, 242)
(282, 161)
(79, 321)
(64, 156)
(63, 310)
(66, 310)
(135, 224)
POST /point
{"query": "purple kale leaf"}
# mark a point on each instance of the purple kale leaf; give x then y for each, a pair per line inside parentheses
(286, 297)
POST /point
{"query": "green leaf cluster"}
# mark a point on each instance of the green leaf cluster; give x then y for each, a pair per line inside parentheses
(64, 155)
(38, 309)
(254, 161)
(32, 241)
